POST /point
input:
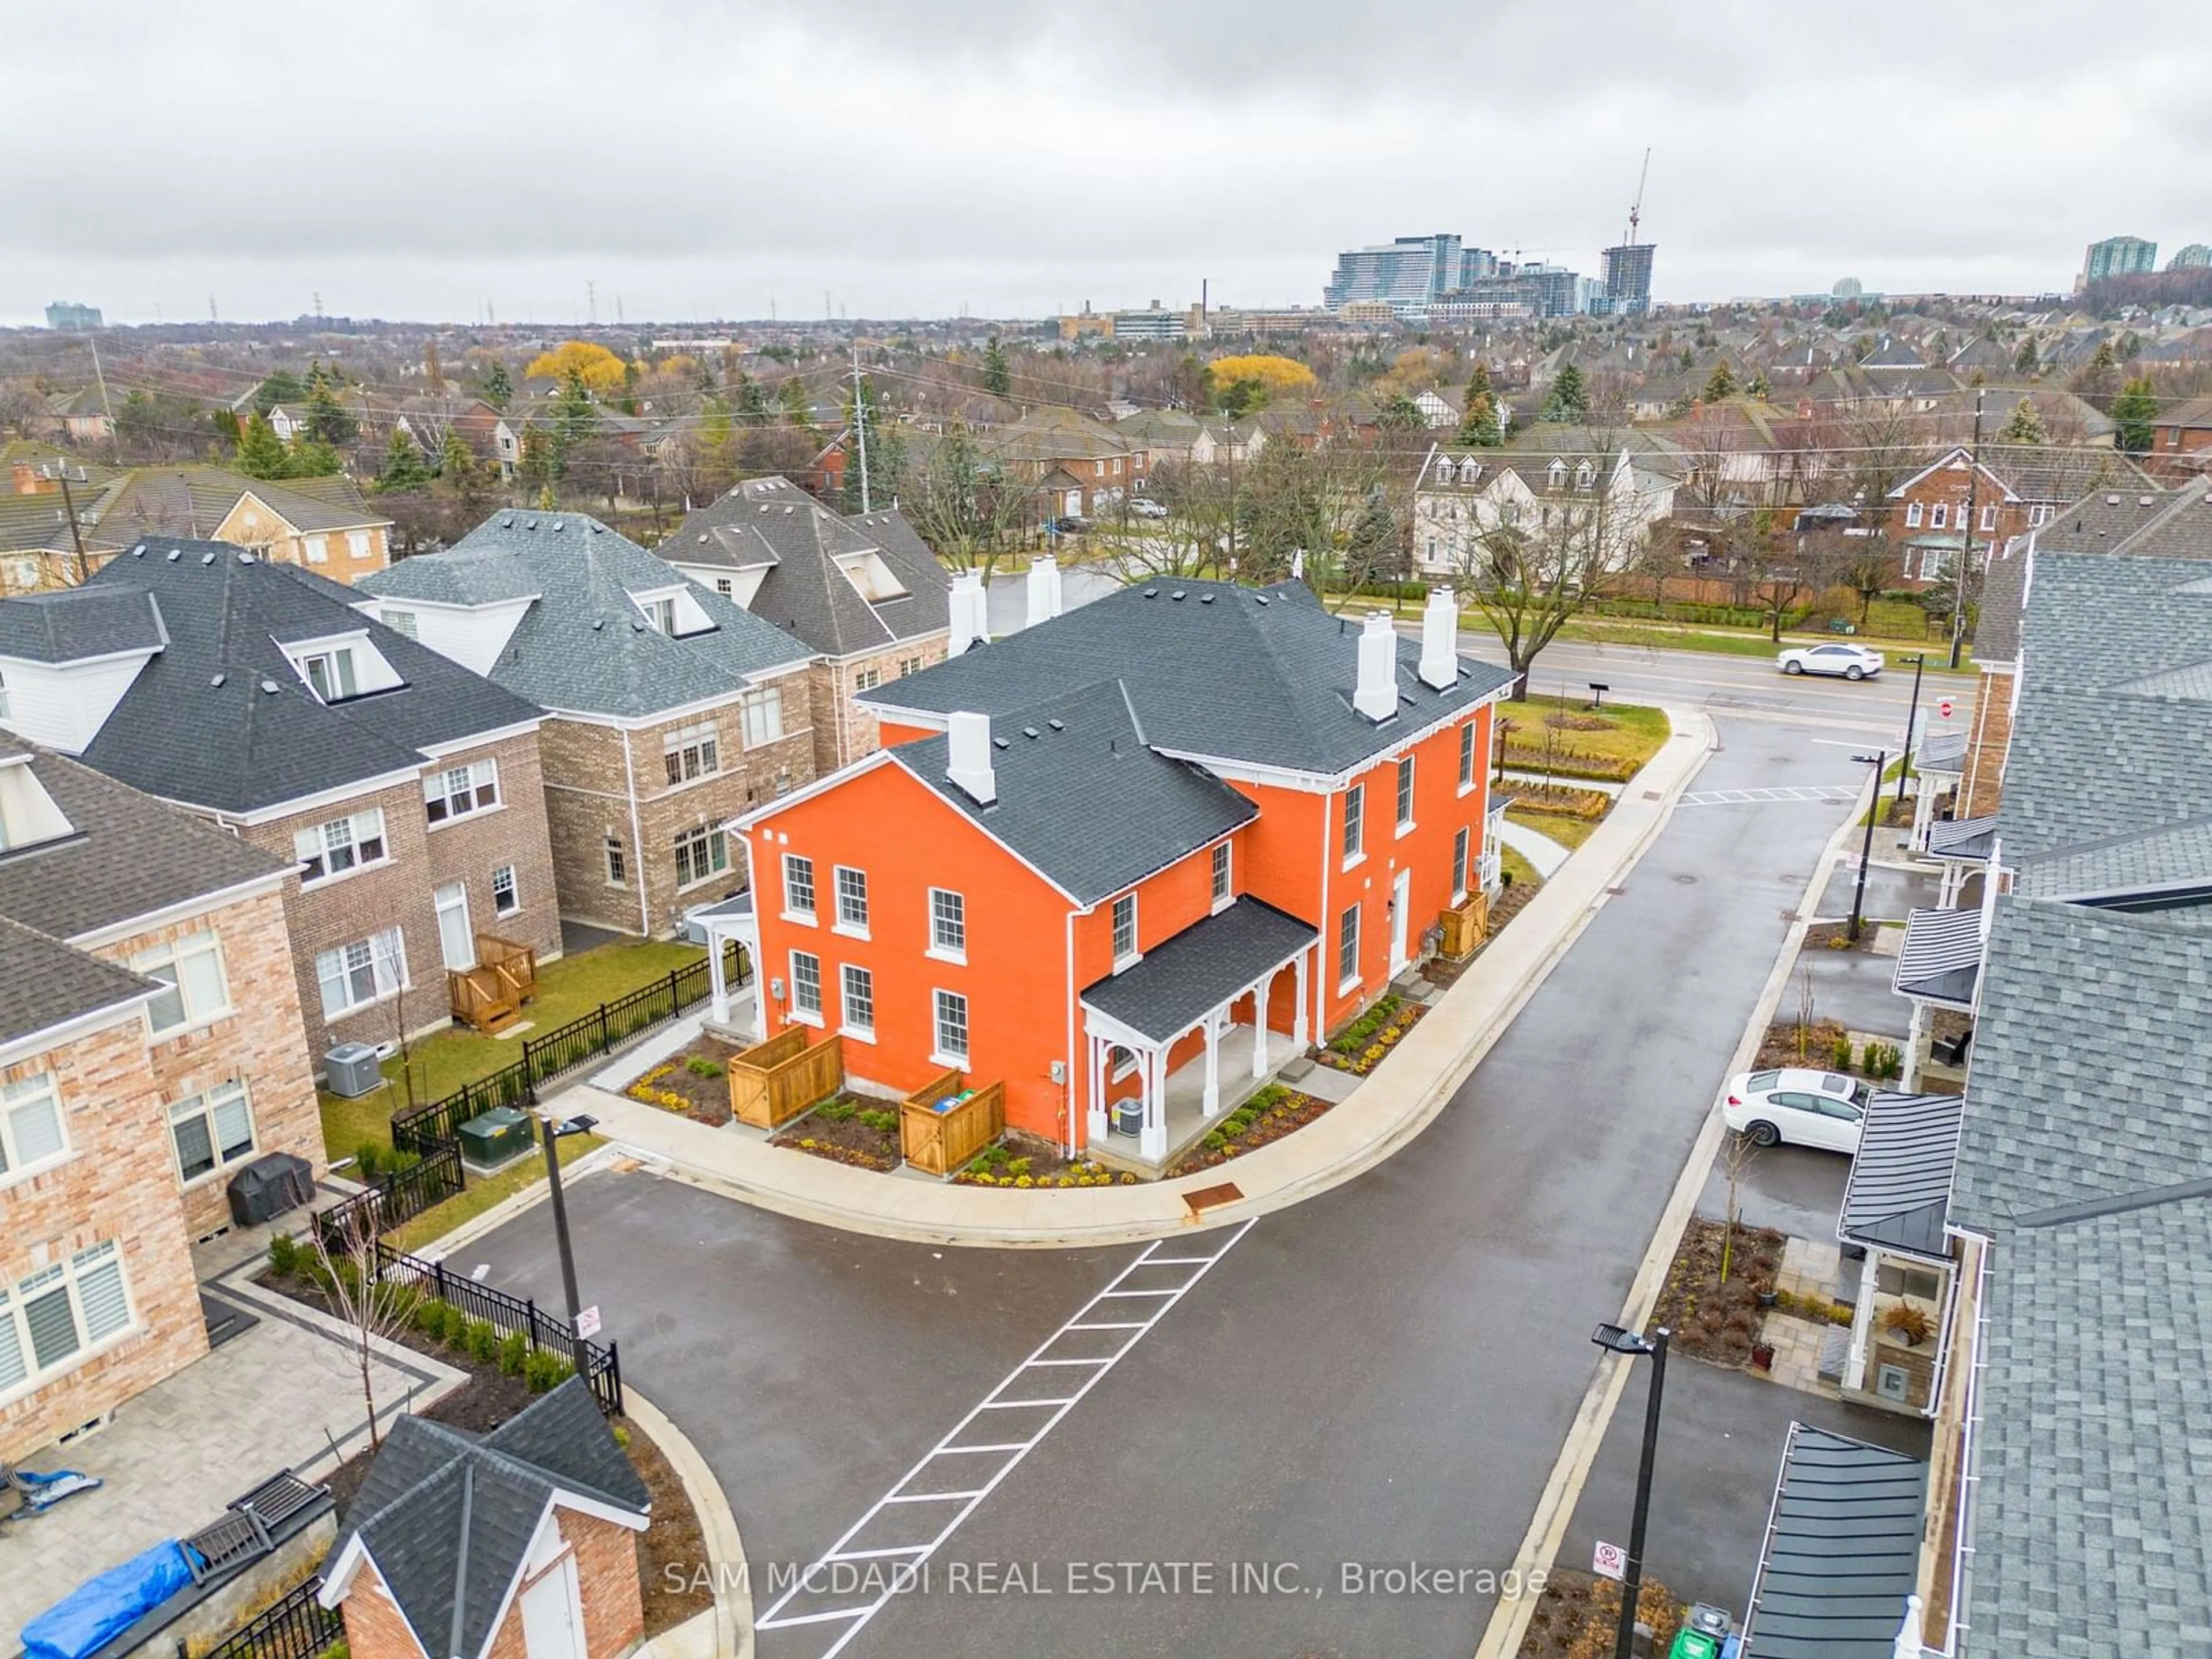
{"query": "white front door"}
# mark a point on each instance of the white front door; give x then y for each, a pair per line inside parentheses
(1401, 903)
(455, 936)
(548, 1615)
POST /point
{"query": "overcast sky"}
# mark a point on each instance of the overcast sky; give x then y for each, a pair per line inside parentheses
(919, 157)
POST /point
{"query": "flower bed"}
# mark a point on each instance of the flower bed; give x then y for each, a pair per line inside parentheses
(1024, 1162)
(1566, 761)
(695, 1083)
(1361, 1045)
(848, 1129)
(1577, 1613)
(1714, 1319)
(1270, 1114)
(1559, 799)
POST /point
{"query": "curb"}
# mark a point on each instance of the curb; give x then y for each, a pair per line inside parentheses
(514, 1204)
(733, 1611)
(1428, 1097)
(1540, 1545)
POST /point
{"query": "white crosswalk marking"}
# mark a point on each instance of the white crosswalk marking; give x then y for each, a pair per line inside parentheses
(916, 1535)
(1836, 794)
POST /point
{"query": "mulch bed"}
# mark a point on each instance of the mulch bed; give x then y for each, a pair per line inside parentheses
(834, 1130)
(1578, 1615)
(1027, 1161)
(703, 1095)
(1780, 1045)
(1711, 1320)
(1559, 799)
(1270, 1114)
(1837, 936)
(1361, 1046)
(1567, 761)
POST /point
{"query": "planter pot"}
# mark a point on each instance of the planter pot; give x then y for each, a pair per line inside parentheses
(1766, 1298)
(1762, 1355)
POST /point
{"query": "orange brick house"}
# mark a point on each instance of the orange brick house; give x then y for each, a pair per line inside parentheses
(1135, 857)
(519, 1545)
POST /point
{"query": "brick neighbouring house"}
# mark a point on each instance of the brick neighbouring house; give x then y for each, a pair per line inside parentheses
(405, 789)
(320, 523)
(1184, 829)
(2022, 489)
(2181, 442)
(863, 591)
(520, 1544)
(669, 708)
(1075, 465)
(150, 1044)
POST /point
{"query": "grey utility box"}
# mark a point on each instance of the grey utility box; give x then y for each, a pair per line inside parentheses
(496, 1137)
(352, 1070)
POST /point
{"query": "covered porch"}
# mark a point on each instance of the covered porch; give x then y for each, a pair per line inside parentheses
(1213, 981)
(1962, 847)
(1939, 965)
(731, 1009)
(1939, 766)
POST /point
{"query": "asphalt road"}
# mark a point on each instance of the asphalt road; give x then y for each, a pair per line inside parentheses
(1383, 1374)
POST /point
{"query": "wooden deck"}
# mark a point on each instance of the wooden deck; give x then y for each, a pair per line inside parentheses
(490, 996)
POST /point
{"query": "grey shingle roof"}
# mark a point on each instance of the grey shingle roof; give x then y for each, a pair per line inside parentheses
(1996, 624)
(1941, 751)
(1842, 1551)
(76, 622)
(1962, 838)
(1899, 1186)
(2176, 857)
(191, 501)
(37, 522)
(197, 725)
(44, 982)
(448, 1517)
(131, 856)
(1201, 967)
(583, 646)
(1941, 956)
(1080, 795)
(1225, 672)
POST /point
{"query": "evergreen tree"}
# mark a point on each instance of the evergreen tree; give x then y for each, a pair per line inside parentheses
(1760, 388)
(498, 389)
(1372, 549)
(798, 407)
(752, 402)
(282, 387)
(309, 457)
(2025, 425)
(1720, 385)
(2130, 346)
(997, 379)
(402, 467)
(1570, 398)
(327, 419)
(1400, 414)
(2136, 410)
(455, 459)
(1480, 430)
(539, 464)
(2024, 360)
(1478, 382)
(260, 451)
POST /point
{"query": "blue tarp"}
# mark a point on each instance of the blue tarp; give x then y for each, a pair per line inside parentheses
(101, 1608)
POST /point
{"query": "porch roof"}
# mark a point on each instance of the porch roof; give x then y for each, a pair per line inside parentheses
(1964, 839)
(1941, 956)
(1842, 1551)
(1941, 751)
(738, 907)
(1199, 968)
(1898, 1195)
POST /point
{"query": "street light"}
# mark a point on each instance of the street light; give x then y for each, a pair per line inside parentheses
(1614, 1340)
(553, 1129)
(1912, 719)
(1877, 760)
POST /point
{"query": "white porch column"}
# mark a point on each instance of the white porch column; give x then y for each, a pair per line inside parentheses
(1924, 809)
(1862, 1328)
(1915, 1033)
(1260, 1026)
(1094, 1075)
(1298, 1025)
(718, 988)
(1209, 1103)
(1154, 1142)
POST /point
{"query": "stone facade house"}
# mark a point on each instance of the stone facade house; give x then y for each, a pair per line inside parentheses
(405, 789)
(863, 591)
(521, 1544)
(150, 1044)
(669, 707)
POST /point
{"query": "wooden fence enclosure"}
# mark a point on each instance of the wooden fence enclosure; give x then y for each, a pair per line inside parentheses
(940, 1141)
(1464, 927)
(773, 1082)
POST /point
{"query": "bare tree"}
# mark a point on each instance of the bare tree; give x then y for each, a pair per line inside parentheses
(1738, 1153)
(969, 511)
(372, 1310)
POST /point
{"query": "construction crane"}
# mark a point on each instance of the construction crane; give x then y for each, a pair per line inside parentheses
(1636, 207)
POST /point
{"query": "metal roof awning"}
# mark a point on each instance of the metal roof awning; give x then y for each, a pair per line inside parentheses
(1842, 1552)
(1941, 960)
(1965, 839)
(1898, 1193)
(1213, 962)
(737, 907)
(1941, 751)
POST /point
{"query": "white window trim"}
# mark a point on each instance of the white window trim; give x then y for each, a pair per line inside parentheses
(845, 1025)
(34, 1379)
(1222, 901)
(1357, 856)
(706, 834)
(1136, 952)
(813, 1017)
(53, 1160)
(1470, 773)
(207, 1113)
(359, 866)
(406, 981)
(940, 1056)
(1914, 515)
(1467, 865)
(438, 777)
(937, 952)
(1405, 825)
(800, 918)
(1359, 946)
(513, 886)
(165, 954)
(848, 929)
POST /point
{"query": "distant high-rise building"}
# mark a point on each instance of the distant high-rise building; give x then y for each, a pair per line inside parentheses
(75, 318)
(1406, 273)
(1625, 271)
(2195, 256)
(2118, 256)
(1847, 287)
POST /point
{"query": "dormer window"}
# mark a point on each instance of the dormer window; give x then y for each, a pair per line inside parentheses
(661, 613)
(1585, 475)
(330, 674)
(1558, 475)
(28, 814)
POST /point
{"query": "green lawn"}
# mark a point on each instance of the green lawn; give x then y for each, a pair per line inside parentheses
(1631, 733)
(567, 989)
(1569, 833)
(1524, 872)
(480, 1196)
(1746, 642)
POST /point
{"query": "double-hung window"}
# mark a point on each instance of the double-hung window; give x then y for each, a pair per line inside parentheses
(1466, 756)
(356, 974)
(459, 790)
(798, 887)
(951, 1024)
(1125, 931)
(1913, 513)
(211, 1130)
(330, 674)
(1460, 843)
(31, 1130)
(806, 985)
(1347, 947)
(618, 865)
(1405, 794)
(867, 679)
(343, 844)
(695, 752)
(858, 985)
(1224, 884)
(762, 711)
(192, 968)
(1939, 515)
(504, 900)
(58, 1312)
(1355, 826)
(852, 899)
(948, 924)
(701, 854)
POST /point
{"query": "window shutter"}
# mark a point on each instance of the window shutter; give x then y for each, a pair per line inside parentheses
(100, 1291)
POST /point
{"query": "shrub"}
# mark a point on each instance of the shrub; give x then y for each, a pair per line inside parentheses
(700, 1066)
(545, 1370)
(1910, 1321)
(1840, 1057)
(370, 1159)
(835, 1111)
(882, 1122)
(284, 1254)
(481, 1337)
(513, 1352)
(430, 1318)
(622, 1436)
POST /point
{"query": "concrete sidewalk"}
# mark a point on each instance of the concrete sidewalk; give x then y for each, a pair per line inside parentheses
(1394, 1103)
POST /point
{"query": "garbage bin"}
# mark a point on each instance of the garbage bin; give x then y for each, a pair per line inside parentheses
(271, 1184)
(495, 1136)
(1128, 1117)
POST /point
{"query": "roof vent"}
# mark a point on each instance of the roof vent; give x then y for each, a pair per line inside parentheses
(139, 551)
(599, 529)
(270, 686)
(598, 623)
(1206, 599)
(1030, 732)
(507, 523)
(176, 553)
(2111, 501)
(246, 558)
(1000, 743)
(1152, 592)
(1057, 725)
(702, 538)
(531, 524)
(636, 626)
(207, 558)
(218, 679)
(557, 527)
(1176, 595)
(1262, 597)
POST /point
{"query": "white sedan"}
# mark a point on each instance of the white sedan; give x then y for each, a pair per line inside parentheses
(1853, 662)
(1803, 1108)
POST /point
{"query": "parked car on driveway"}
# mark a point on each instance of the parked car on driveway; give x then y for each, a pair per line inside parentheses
(1852, 662)
(1069, 524)
(1145, 507)
(1797, 1106)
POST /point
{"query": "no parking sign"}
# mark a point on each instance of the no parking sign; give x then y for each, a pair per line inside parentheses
(1609, 1561)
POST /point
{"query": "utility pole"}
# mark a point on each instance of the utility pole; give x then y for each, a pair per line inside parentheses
(861, 425)
(592, 301)
(106, 408)
(68, 505)
(1966, 537)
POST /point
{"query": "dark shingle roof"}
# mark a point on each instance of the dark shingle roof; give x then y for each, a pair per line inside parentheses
(1082, 798)
(1211, 669)
(2004, 591)
(192, 500)
(448, 1517)
(1842, 1551)
(1899, 1186)
(583, 646)
(44, 982)
(37, 523)
(1199, 968)
(78, 623)
(198, 724)
(1941, 956)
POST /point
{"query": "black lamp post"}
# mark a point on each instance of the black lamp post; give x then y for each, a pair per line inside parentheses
(1919, 663)
(1613, 1340)
(551, 1130)
(1877, 760)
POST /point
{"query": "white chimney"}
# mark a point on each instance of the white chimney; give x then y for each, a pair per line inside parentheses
(1044, 600)
(1440, 635)
(1298, 564)
(1378, 694)
(969, 760)
(970, 617)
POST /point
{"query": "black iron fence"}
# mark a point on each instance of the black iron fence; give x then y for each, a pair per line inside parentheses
(395, 1198)
(544, 1058)
(296, 1626)
(548, 1333)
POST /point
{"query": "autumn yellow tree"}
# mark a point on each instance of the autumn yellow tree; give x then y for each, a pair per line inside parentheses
(1276, 375)
(602, 371)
